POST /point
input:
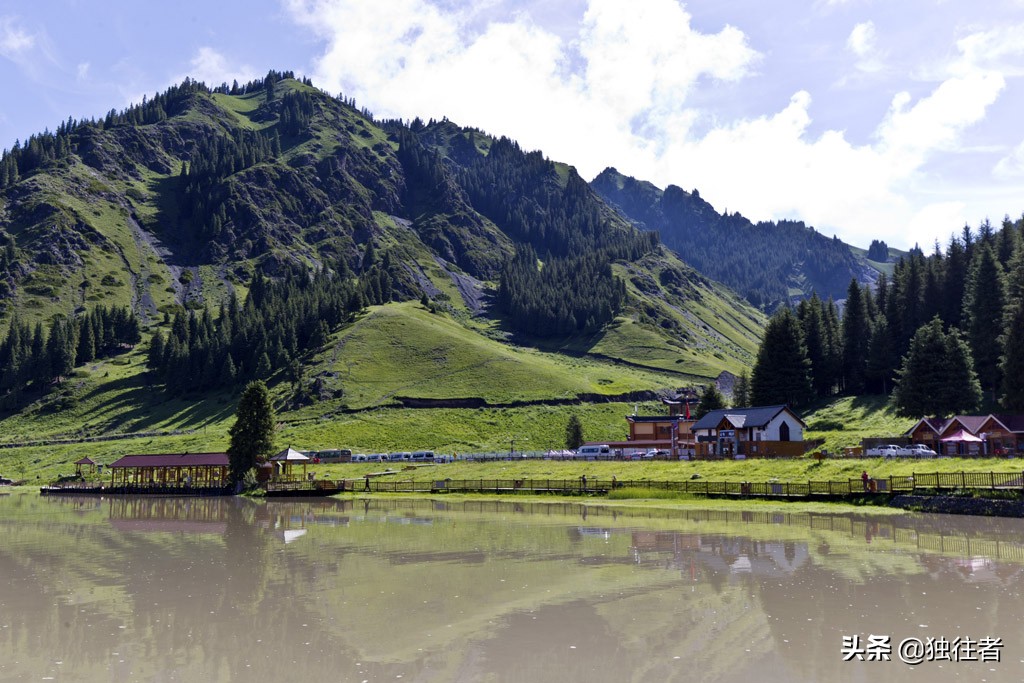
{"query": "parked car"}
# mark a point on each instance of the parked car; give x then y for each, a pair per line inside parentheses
(917, 450)
(888, 451)
(655, 454)
(4, 481)
(594, 452)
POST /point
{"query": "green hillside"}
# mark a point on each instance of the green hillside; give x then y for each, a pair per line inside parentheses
(398, 238)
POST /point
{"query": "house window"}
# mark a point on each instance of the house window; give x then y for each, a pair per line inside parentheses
(784, 431)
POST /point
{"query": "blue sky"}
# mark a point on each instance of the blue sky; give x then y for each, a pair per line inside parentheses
(867, 119)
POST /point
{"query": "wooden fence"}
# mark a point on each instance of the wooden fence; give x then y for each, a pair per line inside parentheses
(918, 482)
(938, 481)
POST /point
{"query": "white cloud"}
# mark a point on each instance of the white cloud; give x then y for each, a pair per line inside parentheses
(863, 39)
(15, 42)
(1000, 49)
(922, 227)
(863, 43)
(624, 91)
(212, 68)
(1011, 166)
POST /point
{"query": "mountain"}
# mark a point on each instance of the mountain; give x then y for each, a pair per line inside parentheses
(259, 230)
(769, 263)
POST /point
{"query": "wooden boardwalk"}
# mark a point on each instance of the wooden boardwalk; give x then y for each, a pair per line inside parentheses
(823, 490)
(919, 483)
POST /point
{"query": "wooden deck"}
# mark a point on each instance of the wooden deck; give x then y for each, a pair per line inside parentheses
(78, 488)
(919, 483)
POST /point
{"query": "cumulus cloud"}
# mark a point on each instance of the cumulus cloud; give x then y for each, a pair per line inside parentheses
(14, 40)
(1011, 166)
(625, 91)
(213, 68)
(863, 39)
(863, 43)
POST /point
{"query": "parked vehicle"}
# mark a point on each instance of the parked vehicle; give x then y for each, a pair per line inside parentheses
(332, 455)
(402, 456)
(594, 452)
(422, 456)
(917, 450)
(888, 451)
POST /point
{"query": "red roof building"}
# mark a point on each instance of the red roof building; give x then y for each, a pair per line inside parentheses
(180, 469)
(967, 435)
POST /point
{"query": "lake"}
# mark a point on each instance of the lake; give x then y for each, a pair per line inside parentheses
(226, 589)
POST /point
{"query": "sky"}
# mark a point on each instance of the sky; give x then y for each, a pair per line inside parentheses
(867, 119)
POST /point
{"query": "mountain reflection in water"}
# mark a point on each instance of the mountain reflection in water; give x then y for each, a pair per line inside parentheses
(349, 589)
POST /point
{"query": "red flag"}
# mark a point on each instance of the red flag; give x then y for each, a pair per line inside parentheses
(687, 410)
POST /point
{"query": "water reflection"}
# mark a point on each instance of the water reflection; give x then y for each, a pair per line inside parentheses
(233, 589)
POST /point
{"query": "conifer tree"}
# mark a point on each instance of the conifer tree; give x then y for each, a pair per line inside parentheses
(741, 391)
(710, 399)
(782, 372)
(937, 376)
(1012, 361)
(156, 350)
(1012, 339)
(855, 340)
(252, 434)
(60, 349)
(86, 343)
(573, 433)
(984, 308)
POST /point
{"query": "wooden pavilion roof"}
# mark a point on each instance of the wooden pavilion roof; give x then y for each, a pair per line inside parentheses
(173, 460)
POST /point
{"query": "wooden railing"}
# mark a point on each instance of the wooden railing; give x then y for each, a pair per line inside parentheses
(788, 489)
(918, 482)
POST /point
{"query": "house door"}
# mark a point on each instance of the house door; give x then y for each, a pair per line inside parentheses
(784, 431)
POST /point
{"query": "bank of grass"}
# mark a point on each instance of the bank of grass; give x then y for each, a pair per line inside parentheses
(640, 493)
(636, 472)
(844, 422)
(404, 350)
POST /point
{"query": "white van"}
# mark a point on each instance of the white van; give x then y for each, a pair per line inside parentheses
(423, 456)
(594, 452)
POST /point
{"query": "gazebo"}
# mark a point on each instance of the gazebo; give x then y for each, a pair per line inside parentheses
(961, 436)
(86, 462)
(287, 458)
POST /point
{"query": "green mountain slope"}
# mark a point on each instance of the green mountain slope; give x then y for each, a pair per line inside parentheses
(769, 263)
(175, 205)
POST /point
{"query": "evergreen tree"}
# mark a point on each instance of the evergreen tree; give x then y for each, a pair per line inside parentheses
(60, 349)
(573, 433)
(86, 343)
(937, 376)
(1012, 361)
(1012, 339)
(782, 373)
(252, 434)
(855, 340)
(156, 351)
(228, 373)
(710, 399)
(954, 283)
(878, 251)
(881, 362)
(984, 307)
(741, 391)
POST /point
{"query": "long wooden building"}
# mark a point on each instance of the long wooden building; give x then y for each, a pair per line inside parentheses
(198, 470)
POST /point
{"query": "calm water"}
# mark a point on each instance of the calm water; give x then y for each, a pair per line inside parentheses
(151, 589)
